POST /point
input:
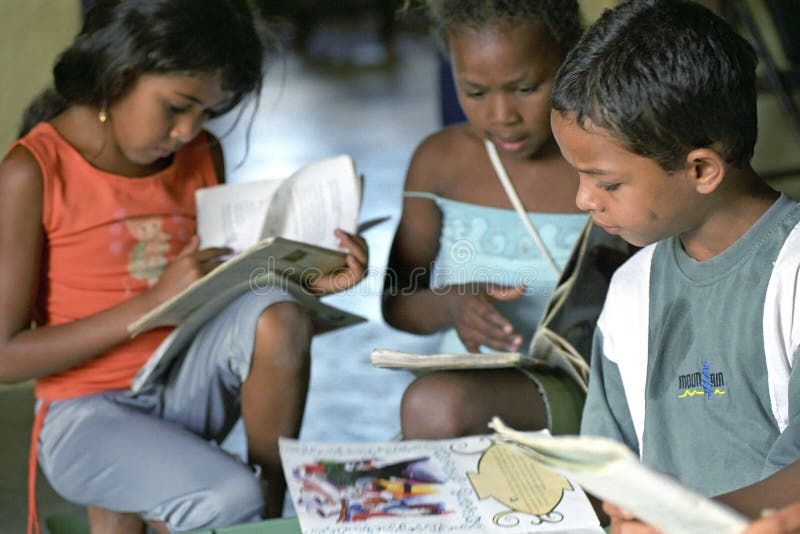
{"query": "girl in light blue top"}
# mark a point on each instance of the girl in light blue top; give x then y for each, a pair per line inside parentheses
(462, 261)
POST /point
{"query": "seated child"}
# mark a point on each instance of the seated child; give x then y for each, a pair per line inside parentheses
(462, 261)
(97, 227)
(692, 363)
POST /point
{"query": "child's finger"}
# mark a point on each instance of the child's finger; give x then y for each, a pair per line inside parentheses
(501, 341)
(615, 511)
(356, 265)
(490, 316)
(493, 329)
(355, 245)
(190, 248)
(212, 253)
(498, 292)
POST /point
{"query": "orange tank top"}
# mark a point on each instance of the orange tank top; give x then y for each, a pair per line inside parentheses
(108, 238)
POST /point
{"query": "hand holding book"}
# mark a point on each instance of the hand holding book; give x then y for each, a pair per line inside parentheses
(281, 233)
(609, 471)
(352, 273)
(283, 227)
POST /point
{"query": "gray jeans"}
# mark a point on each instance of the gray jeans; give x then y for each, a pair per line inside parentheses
(155, 452)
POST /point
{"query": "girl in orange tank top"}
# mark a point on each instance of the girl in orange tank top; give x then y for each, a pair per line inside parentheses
(97, 227)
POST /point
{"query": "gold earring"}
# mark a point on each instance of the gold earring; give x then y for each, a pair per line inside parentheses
(103, 115)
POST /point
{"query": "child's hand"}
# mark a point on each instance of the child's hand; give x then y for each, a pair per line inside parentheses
(357, 260)
(784, 521)
(622, 522)
(477, 321)
(189, 265)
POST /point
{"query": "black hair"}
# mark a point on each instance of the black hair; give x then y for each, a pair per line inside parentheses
(663, 77)
(561, 17)
(122, 39)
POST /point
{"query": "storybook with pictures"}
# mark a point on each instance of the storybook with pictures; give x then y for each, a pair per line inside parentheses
(459, 485)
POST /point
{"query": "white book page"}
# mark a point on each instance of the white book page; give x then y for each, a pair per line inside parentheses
(659, 500)
(314, 201)
(469, 360)
(459, 486)
(231, 215)
(610, 472)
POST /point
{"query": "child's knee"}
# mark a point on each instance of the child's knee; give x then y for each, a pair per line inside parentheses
(237, 499)
(432, 407)
(283, 334)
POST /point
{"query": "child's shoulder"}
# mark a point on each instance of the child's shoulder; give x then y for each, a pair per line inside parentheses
(20, 175)
(457, 137)
(453, 153)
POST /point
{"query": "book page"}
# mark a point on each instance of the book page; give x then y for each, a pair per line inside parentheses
(461, 485)
(231, 215)
(388, 358)
(315, 201)
(609, 471)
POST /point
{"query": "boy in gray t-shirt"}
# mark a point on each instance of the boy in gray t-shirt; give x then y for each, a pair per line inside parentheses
(693, 359)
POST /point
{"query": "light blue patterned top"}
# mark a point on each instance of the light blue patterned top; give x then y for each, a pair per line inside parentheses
(486, 244)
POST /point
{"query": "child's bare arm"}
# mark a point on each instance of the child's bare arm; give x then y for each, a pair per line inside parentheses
(409, 303)
(774, 492)
(26, 352)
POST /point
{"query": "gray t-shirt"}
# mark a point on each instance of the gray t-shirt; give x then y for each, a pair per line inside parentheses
(692, 362)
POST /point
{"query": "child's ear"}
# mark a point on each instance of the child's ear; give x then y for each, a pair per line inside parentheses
(706, 168)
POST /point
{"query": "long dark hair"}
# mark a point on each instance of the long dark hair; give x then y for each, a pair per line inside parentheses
(123, 39)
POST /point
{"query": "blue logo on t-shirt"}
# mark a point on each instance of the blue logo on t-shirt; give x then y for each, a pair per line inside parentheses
(703, 383)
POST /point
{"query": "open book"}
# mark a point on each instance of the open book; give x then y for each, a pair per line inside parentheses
(461, 485)
(563, 337)
(611, 472)
(281, 232)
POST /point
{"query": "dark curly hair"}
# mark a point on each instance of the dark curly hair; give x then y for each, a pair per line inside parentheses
(123, 39)
(663, 77)
(561, 17)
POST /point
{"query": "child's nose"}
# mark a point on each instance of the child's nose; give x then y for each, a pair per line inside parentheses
(585, 199)
(503, 110)
(186, 128)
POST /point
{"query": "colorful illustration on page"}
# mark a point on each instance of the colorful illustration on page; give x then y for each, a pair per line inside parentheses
(359, 490)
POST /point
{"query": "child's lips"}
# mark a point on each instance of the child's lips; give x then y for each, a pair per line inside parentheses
(164, 152)
(511, 145)
(614, 230)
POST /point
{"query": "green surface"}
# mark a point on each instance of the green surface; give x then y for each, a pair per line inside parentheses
(67, 524)
(75, 524)
(288, 525)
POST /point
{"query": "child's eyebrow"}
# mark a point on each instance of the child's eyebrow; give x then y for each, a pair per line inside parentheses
(217, 105)
(190, 97)
(527, 77)
(524, 78)
(593, 172)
